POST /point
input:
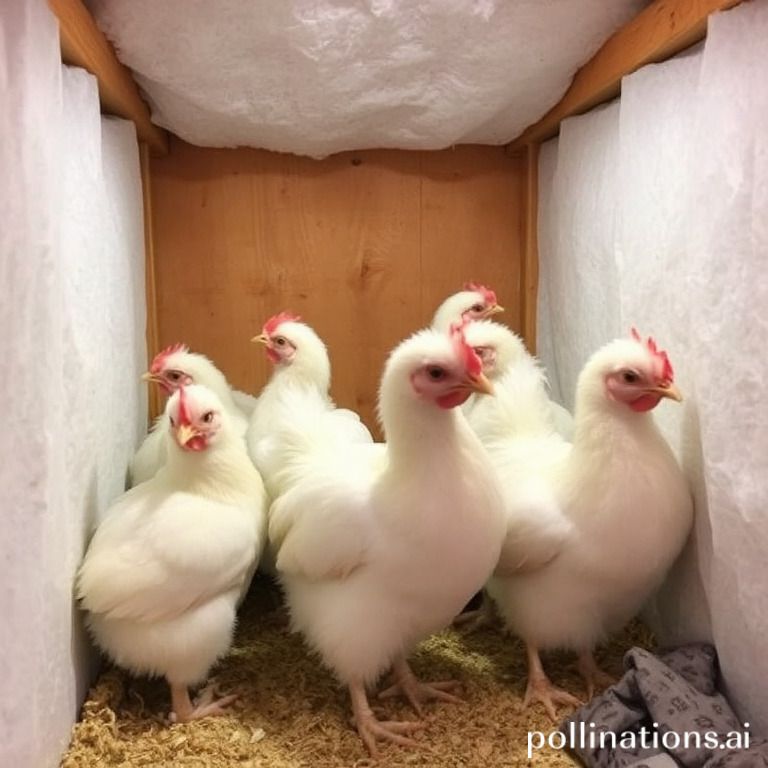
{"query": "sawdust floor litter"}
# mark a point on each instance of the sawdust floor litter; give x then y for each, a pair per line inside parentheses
(291, 713)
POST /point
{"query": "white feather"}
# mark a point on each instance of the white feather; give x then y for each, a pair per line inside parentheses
(453, 308)
(594, 528)
(307, 376)
(379, 546)
(165, 570)
(151, 454)
(245, 402)
(505, 352)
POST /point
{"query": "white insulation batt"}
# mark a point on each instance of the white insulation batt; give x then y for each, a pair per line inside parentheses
(654, 213)
(72, 320)
(316, 77)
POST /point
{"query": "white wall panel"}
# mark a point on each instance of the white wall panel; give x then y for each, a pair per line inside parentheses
(687, 225)
(72, 348)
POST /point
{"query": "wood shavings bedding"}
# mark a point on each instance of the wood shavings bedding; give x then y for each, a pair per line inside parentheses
(291, 713)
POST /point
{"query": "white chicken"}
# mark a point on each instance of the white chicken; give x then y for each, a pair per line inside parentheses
(377, 552)
(501, 350)
(164, 572)
(245, 402)
(475, 302)
(301, 361)
(592, 528)
(173, 367)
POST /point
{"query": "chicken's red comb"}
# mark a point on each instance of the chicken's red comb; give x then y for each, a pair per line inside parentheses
(183, 412)
(488, 295)
(472, 362)
(277, 320)
(667, 372)
(158, 362)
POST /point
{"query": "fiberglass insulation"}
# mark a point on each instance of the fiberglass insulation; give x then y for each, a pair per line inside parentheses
(316, 77)
(72, 349)
(654, 213)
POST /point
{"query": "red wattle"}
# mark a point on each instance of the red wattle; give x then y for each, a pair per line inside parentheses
(644, 403)
(272, 355)
(452, 399)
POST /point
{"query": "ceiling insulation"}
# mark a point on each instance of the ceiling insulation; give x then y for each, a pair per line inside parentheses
(316, 77)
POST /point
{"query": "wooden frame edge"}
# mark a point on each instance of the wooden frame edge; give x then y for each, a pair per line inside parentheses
(529, 278)
(84, 45)
(150, 283)
(658, 32)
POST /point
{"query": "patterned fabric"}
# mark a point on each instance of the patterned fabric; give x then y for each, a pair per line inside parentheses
(674, 698)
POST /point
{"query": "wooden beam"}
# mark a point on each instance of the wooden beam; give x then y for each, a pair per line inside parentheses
(150, 282)
(529, 283)
(83, 45)
(660, 31)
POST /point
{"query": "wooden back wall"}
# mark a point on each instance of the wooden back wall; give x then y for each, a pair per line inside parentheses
(363, 245)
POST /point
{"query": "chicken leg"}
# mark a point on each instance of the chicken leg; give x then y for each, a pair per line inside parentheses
(371, 730)
(592, 674)
(540, 688)
(406, 684)
(183, 710)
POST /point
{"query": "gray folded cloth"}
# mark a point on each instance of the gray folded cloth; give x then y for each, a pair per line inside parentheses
(665, 712)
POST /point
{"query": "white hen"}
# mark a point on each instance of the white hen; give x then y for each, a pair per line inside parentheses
(501, 351)
(375, 551)
(475, 302)
(301, 365)
(245, 402)
(593, 528)
(173, 367)
(164, 572)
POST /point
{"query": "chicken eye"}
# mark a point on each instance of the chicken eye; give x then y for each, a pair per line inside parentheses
(630, 377)
(173, 423)
(208, 417)
(477, 307)
(280, 341)
(435, 372)
(173, 375)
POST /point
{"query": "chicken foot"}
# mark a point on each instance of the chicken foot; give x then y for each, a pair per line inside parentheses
(406, 684)
(592, 674)
(183, 710)
(372, 730)
(540, 687)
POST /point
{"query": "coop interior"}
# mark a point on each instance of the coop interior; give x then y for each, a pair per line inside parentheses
(180, 172)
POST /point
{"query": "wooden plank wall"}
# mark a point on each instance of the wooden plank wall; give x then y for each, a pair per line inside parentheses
(364, 245)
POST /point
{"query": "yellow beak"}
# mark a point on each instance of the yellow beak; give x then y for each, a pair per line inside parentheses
(184, 433)
(262, 338)
(670, 391)
(480, 384)
(150, 377)
(496, 309)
